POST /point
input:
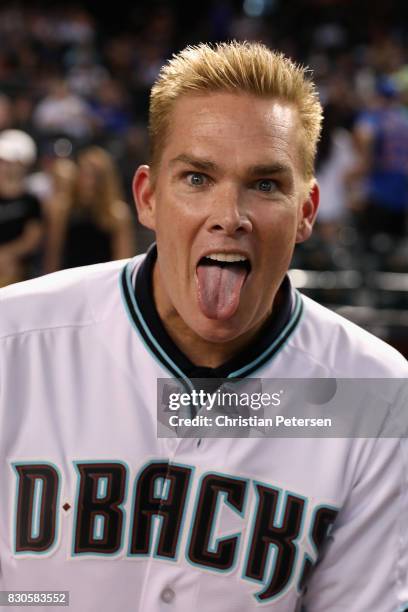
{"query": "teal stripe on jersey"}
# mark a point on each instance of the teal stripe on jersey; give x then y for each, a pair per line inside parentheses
(174, 369)
(277, 345)
(156, 350)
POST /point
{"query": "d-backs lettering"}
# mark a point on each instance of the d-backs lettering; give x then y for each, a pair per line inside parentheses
(161, 489)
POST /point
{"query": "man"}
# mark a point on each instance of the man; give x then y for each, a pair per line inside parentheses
(381, 135)
(93, 501)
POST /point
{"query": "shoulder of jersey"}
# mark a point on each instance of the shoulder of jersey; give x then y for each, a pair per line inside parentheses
(341, 348)
(64, 298)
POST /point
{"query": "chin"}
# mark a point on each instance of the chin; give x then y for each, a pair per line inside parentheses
(219, 331)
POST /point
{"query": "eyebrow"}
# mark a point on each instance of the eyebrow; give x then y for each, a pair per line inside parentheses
(253, 171)
(200, 164)
(268, 169)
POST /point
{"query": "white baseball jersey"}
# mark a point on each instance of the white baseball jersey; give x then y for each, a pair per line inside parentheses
(92, 502)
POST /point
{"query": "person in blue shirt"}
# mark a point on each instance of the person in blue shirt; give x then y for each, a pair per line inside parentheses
(382, 139)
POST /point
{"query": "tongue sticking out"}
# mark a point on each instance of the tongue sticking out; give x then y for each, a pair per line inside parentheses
(219, 289)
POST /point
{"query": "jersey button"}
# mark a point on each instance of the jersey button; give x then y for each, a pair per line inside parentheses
(167, 595)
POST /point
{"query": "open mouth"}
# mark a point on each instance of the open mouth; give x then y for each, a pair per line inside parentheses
(221, 277)
(226, 260)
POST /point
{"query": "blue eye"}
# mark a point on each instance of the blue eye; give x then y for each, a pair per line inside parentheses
(266, 185)
(196, 179)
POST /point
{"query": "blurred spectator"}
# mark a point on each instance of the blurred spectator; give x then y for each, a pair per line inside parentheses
(382, 138)
(336, 157)
(88, 220)
(20, 212)
(85, 73)
(74, 25)
(110, 109)
(62, 173)
(62, 112)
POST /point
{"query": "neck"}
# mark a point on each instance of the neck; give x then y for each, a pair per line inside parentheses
(201, 352)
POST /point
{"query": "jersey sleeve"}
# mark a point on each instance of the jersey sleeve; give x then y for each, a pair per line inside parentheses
(364, 565)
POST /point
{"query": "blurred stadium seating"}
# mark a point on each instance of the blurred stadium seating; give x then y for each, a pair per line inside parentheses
(98, 63)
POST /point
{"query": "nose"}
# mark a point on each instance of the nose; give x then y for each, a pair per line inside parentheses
(229, 214)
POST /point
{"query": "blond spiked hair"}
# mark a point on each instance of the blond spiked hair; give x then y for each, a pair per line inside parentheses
(235, 67)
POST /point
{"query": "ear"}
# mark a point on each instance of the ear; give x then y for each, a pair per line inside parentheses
(143, 193)
(308, 213)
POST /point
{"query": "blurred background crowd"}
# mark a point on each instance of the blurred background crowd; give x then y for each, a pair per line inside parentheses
(74, 89)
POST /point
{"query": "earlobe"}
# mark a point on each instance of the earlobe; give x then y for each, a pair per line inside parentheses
(143, 193)
(308, 214)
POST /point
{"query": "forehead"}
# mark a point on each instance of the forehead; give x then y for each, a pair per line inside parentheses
(234, 129)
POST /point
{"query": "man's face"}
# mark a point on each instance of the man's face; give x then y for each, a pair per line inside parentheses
(228, 204)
